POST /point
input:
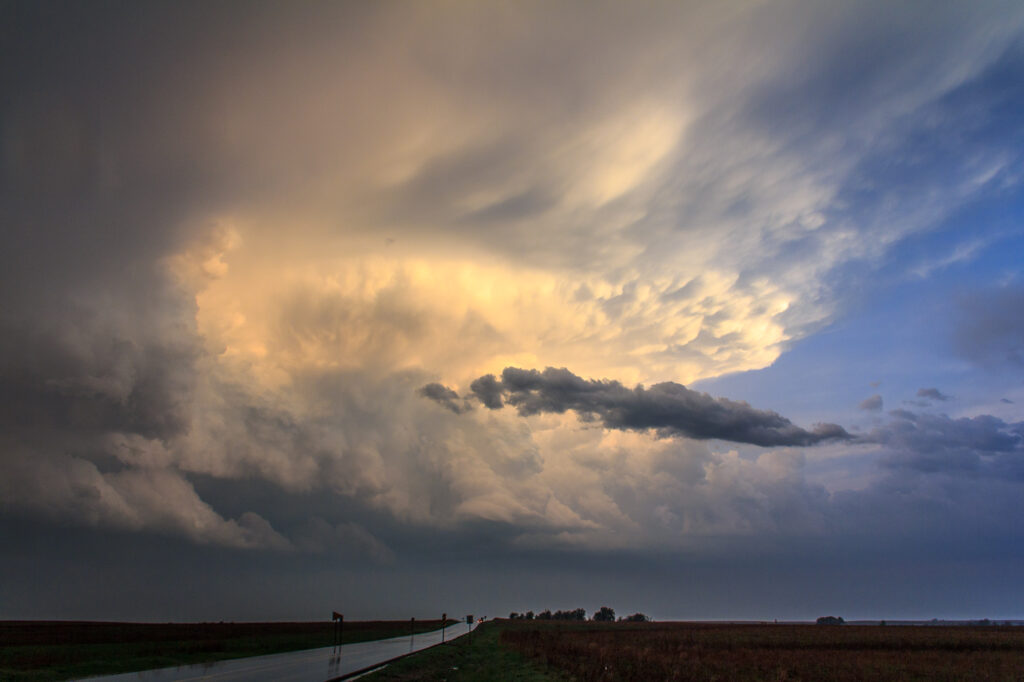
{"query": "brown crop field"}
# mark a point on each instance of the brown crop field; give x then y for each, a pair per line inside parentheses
(692, 651)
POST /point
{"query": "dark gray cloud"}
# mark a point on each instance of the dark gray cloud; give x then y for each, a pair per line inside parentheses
(990, 327)
(982, 445)
(873, 403)
(932, 394)
(446, 397)
(488, 389)
(92, 371)
(1006, 401)
(669, 408)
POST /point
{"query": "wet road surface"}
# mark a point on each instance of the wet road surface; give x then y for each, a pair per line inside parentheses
(310, 665)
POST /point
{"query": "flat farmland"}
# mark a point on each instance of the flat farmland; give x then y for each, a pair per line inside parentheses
(696, 651)
(58, 650)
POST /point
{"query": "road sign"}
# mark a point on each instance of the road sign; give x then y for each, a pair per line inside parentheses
(339, 627)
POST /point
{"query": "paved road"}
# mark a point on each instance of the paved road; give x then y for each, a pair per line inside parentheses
(311, 665)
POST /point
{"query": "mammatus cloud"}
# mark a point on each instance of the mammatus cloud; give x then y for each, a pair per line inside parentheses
(669, 408)
(874, 403)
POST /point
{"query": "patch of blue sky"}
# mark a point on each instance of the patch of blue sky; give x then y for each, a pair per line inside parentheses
(950, 177)
(894, 332)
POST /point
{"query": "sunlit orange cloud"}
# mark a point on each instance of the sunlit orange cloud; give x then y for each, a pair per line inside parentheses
(392, 212)
(354, 201)
(467, 226)
(277, 312)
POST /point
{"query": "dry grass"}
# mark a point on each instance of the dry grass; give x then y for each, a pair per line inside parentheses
(685, 651)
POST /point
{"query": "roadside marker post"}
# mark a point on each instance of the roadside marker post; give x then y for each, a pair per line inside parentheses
(339, 627)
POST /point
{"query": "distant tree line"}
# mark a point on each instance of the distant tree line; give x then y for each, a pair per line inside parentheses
(546, 614)
(604, 614)
(830, 620)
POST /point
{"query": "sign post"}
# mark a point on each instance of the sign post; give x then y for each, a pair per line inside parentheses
(339, 627)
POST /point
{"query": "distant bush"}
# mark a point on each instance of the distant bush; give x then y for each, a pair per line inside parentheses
(830, 620)
(605, 615)
(635, 618)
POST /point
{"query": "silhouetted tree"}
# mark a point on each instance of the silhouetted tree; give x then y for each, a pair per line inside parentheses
(544, 615)
(636, 618)
(513, 616)
(575, 614)
(605, 615)
(830, 620)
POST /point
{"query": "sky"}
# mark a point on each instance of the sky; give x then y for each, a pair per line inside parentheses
(708, 310)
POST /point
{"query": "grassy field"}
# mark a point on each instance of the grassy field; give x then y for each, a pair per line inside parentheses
(686, 651)
(479, 657)
(32, 651)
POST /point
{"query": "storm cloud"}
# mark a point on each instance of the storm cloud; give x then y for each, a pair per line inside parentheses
(670, 409)
(444, 396)
(244, 243)
(982, 445)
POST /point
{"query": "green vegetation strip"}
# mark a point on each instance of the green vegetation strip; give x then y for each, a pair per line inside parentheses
(36, 651)
(478, 657)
